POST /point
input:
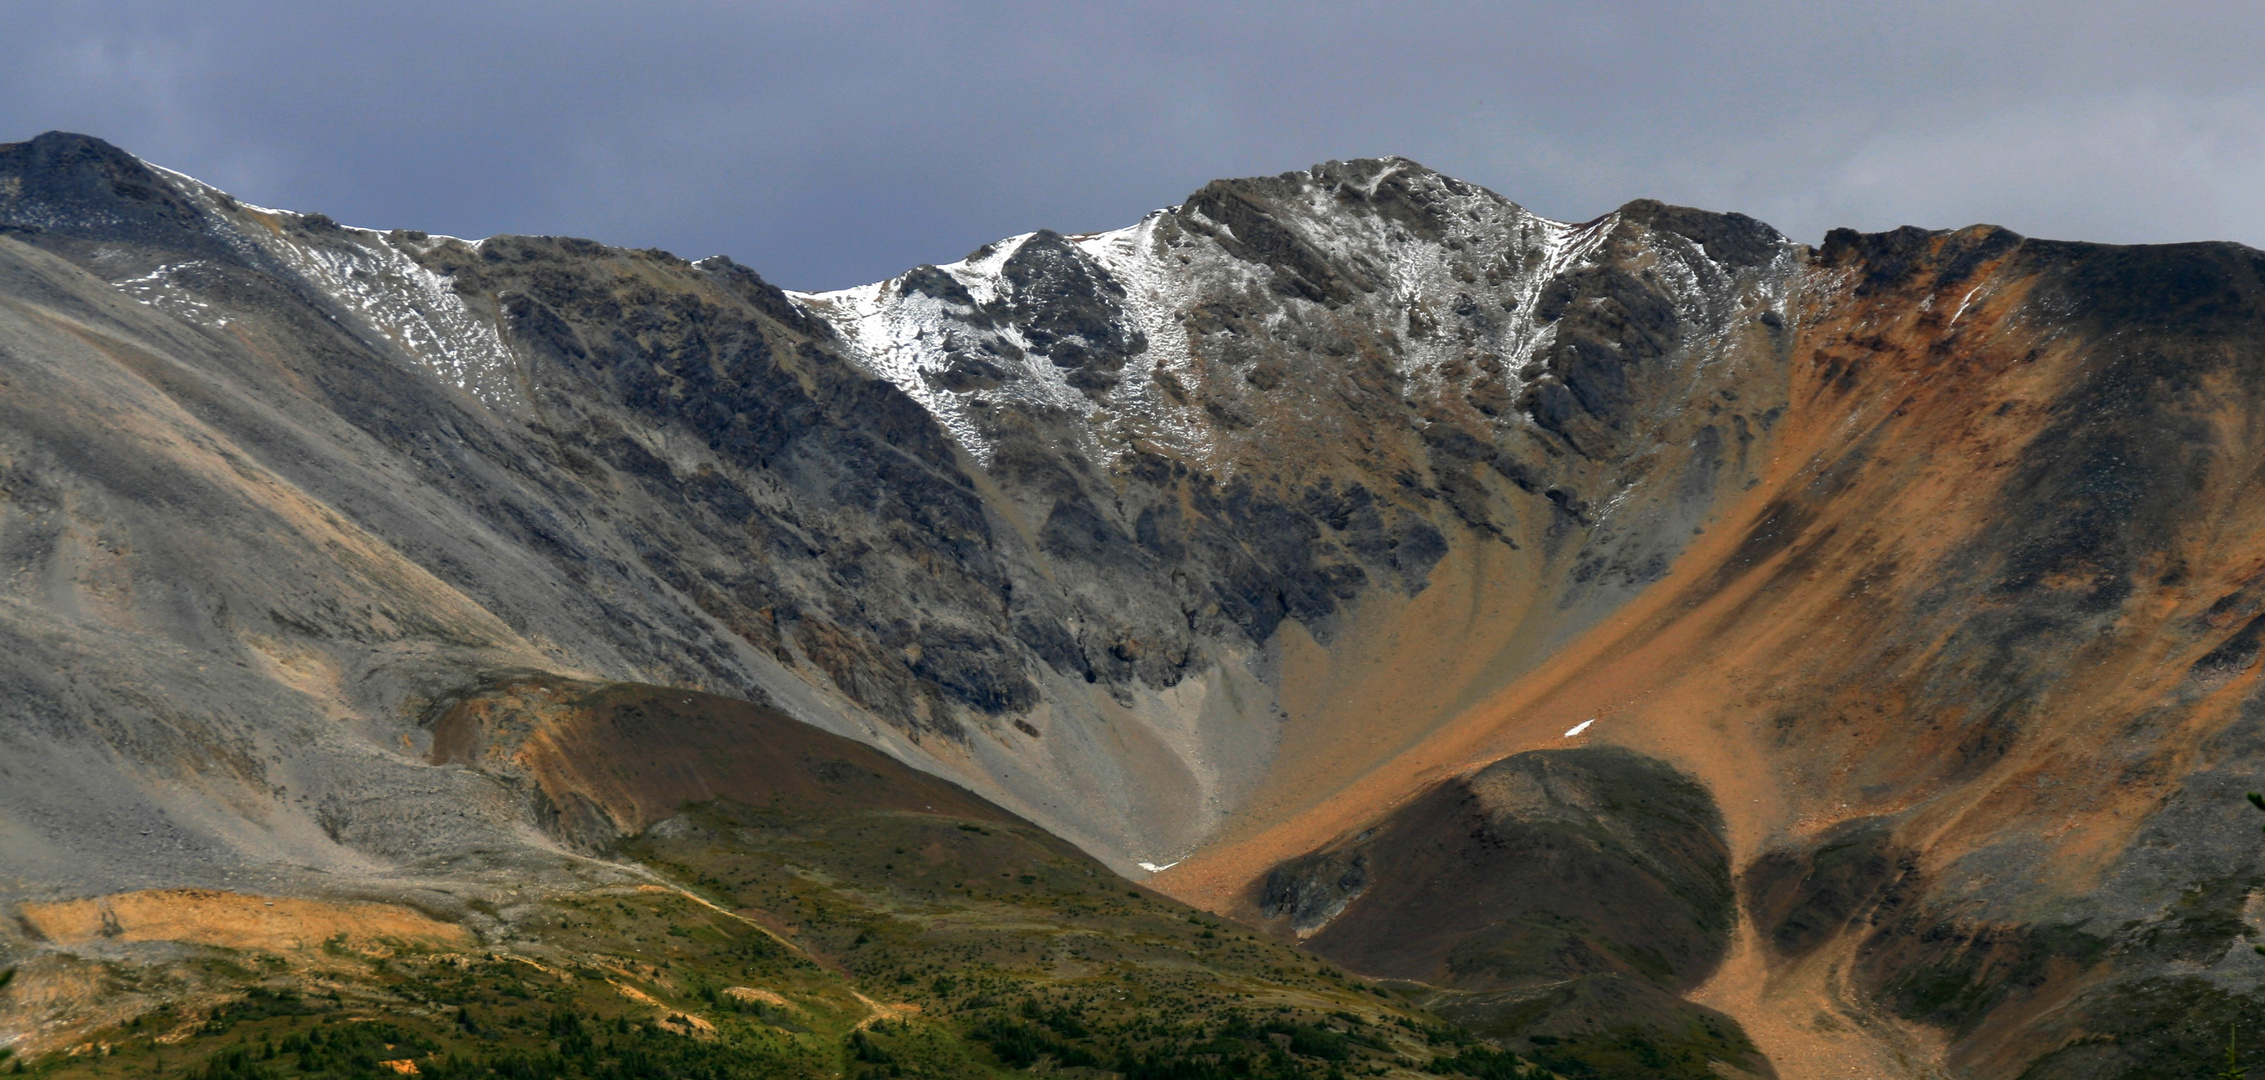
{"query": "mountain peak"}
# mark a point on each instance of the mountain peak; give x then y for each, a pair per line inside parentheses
(88, 187)
(1299, 541)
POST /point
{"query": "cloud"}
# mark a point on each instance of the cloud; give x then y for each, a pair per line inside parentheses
(830, 144)
(2132, 167)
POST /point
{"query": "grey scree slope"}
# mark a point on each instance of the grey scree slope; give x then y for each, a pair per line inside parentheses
(272, 490)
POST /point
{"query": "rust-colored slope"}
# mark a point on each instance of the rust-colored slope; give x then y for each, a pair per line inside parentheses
(1996, 582)
(232, 920)
(610, 759)
(1594, 501)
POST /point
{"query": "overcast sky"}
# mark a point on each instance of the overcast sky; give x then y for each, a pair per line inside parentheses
(830, 144)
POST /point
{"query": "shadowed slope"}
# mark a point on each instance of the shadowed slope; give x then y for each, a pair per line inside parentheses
(1466, 882)
(604, 761)
(1556, 900)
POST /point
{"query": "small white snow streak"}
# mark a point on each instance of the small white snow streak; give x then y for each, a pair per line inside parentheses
(1963, 301)
(1579, 728)
(1612, 505)
(210, 195)
(157, 290)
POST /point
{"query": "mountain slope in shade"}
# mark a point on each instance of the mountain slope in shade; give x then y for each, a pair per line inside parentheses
(1218, 542)
(1556, 900)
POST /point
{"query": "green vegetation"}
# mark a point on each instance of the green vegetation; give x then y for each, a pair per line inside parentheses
(1596, 1026)
(868, 945)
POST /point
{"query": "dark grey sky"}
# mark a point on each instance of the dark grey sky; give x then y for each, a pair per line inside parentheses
(829, 144)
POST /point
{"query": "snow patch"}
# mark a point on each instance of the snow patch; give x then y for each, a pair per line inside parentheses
(912, 339)
(159, 290)
(389, 291)
(418, 309)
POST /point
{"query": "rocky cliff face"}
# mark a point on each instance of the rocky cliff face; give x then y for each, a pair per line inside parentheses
(1227, 535)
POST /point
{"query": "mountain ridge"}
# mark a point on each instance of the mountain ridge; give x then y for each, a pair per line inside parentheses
(1206, 543)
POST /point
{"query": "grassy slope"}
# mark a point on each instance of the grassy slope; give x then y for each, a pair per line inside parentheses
(825, 931)
(877, 944)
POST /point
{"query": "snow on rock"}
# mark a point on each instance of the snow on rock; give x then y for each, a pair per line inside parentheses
(904, 331)
(912, 338)
(415, 307)
(371, 276)
(161, 289)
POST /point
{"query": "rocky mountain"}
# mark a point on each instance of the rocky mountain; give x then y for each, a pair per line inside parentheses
(1647, 632)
